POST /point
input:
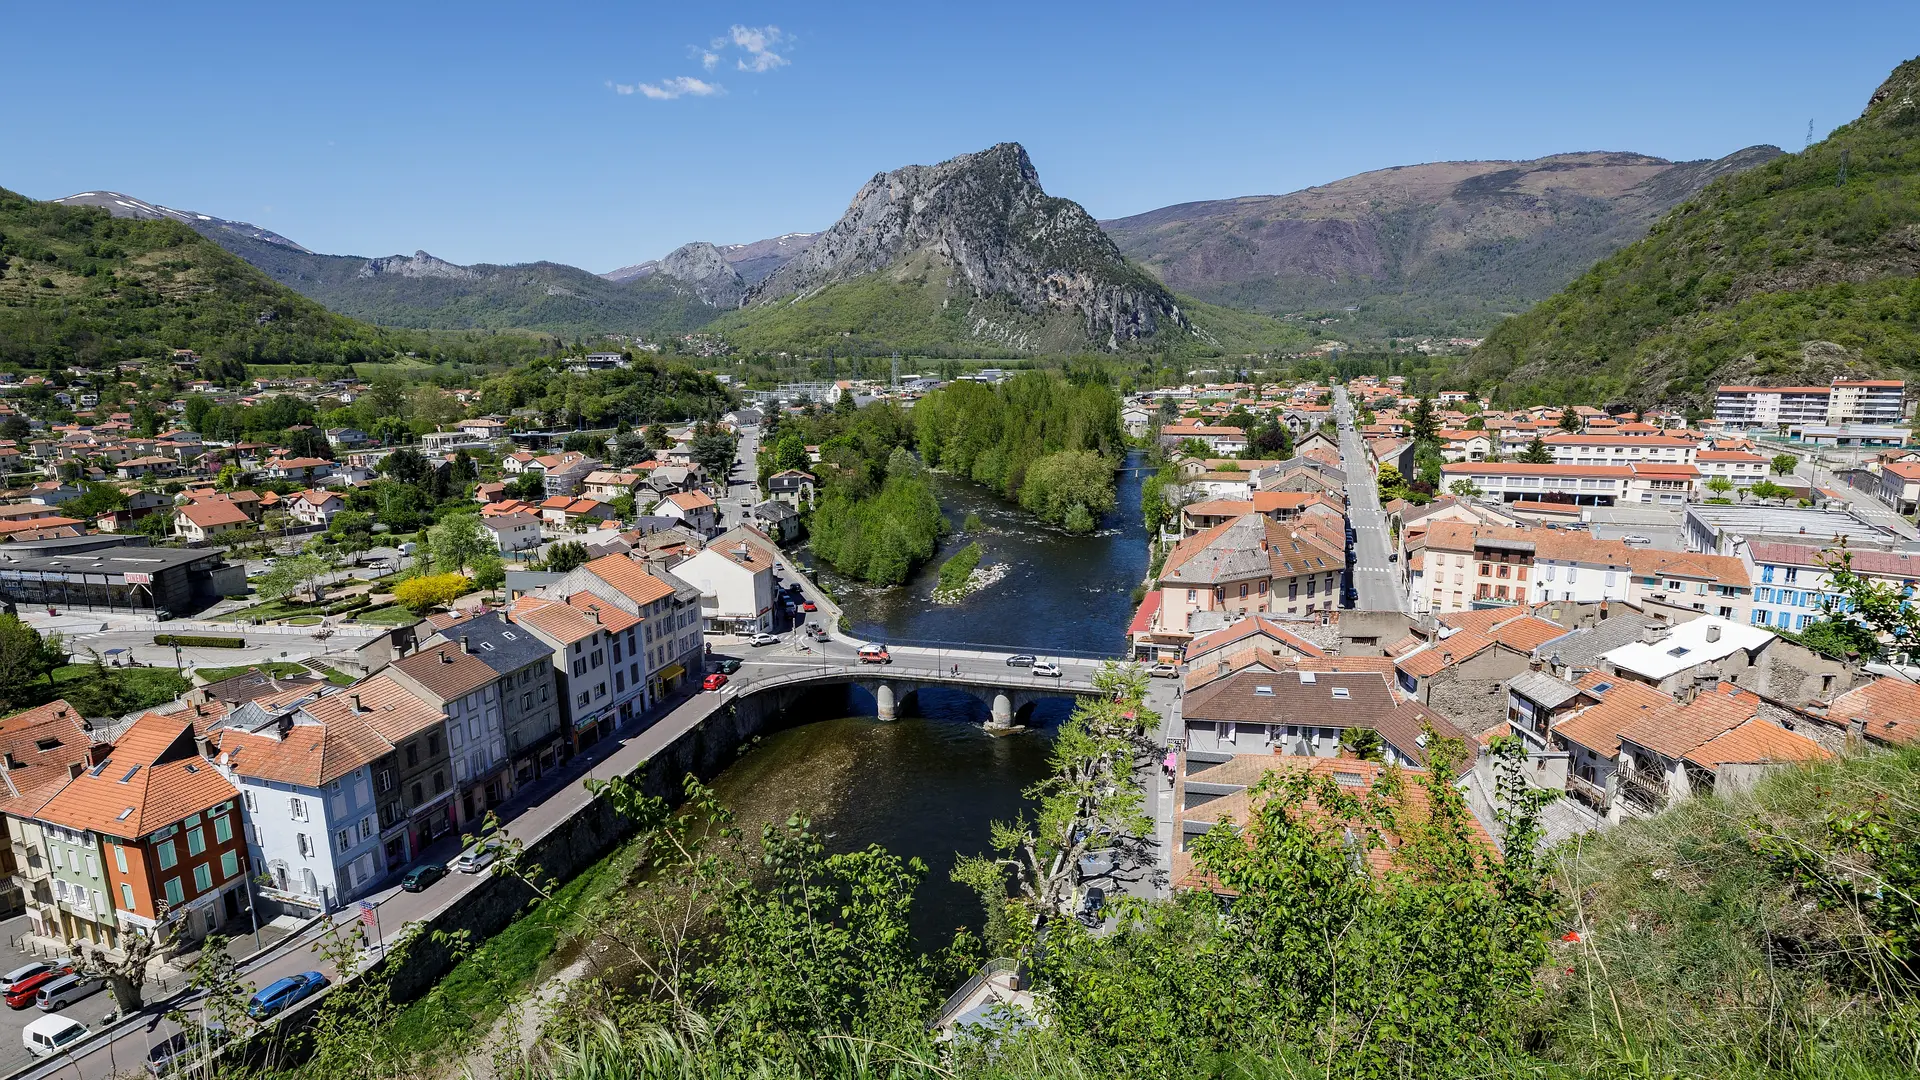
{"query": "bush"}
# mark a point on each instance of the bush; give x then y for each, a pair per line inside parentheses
(194, 641)
(955, 571)
(433, 590)
(352, 603)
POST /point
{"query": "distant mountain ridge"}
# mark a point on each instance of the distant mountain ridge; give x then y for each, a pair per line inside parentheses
(1795, 271)
(753, 262)
(1443, 243)
(127, 206)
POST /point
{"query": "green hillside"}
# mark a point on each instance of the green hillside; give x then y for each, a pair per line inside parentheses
(1795, 270)
(544, 296)
(78, 286)
(918, 308)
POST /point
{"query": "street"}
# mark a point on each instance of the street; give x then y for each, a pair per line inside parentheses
(1376, 581)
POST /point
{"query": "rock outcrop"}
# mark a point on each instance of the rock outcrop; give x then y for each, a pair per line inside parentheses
(704, 270)
(1006, 240)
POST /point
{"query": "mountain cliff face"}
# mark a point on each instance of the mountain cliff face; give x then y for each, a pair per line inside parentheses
(1797, 270)
(1011, 254)
(753, 262)
(700, 266)
(1445, 246)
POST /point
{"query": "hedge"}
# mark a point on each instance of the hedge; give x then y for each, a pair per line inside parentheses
(190, 641)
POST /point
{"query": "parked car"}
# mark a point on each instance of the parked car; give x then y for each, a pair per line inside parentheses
(1046, 669)
(874, 653)
(182, 1048)
(66, 990)
(1163, 671)
(476, 858)
(27, 990)
(713, 682)
(758, 640)
(1092, 905)
(49, 1035)
(421, 876)
(283, 994)
(1020, 660)
(726, 665)
(808, 605)
(1636, 541)
(21, 974)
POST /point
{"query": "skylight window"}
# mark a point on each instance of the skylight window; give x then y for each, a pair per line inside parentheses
(1678, 650)
(1263, 691)
(1341, 693)
(100, 768)
(1601, 688)
(44, 745)
(124, 814)
(130, 774)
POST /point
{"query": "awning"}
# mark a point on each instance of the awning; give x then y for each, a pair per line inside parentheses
(672, 671)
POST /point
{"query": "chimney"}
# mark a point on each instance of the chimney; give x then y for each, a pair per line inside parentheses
(74, 770)
(446, 657)
(1536, 664)
(1713, 633)
(10, 762)
(353, 700)
(1654, 633)
(1446, 659)
(594, 612)
(466, 648)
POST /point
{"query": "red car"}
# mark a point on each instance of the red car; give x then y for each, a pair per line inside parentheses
(809, 606)
(26, 990)
(713, 682)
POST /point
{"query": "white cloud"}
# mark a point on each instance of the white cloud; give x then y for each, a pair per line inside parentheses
(758, 42)
(679, 86)
(709, 60)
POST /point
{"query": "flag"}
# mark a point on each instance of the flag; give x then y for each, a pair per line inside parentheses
(367, 915)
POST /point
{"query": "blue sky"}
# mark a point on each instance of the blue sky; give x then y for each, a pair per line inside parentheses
(603, 134)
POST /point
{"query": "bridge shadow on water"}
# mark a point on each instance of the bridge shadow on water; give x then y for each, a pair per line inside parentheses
(925, 786)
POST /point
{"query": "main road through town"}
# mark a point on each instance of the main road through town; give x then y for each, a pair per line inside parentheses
(1376, 582)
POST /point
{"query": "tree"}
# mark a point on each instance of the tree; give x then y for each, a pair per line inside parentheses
(1537, 452)
(714, 453)
(1719, 485)
(230, 477)
(1784, 464)
(1569, 420)
(1870, 608)
(1476, 423)
(1465, 489)
(1767, 489)
(125, 974)
(566, 556)
(1424, 424)
(25, 657)
(291, 575)
(431, 590)
(488, 571)
(457, 541)
(1071, 488)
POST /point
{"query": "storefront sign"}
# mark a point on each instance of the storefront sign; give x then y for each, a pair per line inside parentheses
(137, 578)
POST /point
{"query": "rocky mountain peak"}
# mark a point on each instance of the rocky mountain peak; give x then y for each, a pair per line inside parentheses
(126, 206)
(985, 215)
(703, 268)
(1897, 101)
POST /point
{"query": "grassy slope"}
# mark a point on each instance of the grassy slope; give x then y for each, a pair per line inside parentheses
(1701, 957)
(80, 286)
(915, 310)
(1733, 283)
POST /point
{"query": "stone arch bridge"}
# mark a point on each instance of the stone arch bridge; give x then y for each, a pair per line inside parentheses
(1006, 690)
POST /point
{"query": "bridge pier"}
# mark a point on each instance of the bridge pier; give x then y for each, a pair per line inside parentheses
(884, 705)
(1002, 717)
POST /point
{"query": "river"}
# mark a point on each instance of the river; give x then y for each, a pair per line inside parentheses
(928, 786)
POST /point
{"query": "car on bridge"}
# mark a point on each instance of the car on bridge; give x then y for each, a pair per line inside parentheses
(874, 653)
(713, 682)
(1046, 669)
(1020, 660)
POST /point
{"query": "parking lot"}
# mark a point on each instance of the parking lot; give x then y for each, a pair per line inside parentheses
(89, 1010)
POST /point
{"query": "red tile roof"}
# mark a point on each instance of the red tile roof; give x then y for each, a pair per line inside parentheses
(152, 777)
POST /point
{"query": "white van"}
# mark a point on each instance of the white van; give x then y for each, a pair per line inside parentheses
(66, 990)
(49, 1035)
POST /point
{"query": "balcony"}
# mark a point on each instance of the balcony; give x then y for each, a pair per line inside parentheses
(1645, 791)
(1588, 792)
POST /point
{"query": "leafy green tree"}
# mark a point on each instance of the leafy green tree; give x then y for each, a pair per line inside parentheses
(1071, 487)
(1424, 424)
(714, 453)
(566, 556)
(290, 575)
(25, 658)
(1465, 489)
(489, 572)
(1864, 608)
(1719, 485)
(1537, 452)
(1767, 489)
(458, 541)
(1569, 420)
(1784, 464)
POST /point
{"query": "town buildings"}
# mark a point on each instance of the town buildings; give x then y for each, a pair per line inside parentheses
(1843, 402)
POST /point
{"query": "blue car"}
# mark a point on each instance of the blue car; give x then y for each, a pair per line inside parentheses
(285, 993)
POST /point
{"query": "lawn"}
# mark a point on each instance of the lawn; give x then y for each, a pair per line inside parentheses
(271, 610)
(279, 669)
(387, 615)
(139, 688)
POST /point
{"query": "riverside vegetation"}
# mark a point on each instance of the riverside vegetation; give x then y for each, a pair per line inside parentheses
(1768, 934)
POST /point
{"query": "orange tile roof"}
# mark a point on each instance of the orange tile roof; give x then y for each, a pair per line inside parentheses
(152, 777)
(558, 621)
(310, 755)
(391, 710)
(1756, 742)
(630, 577)
(1622, 705)
(1676, 732)
(1249, 627)
(611, 617)
(1889, 708)
(213, 512)
(446, 672)
(40, 746)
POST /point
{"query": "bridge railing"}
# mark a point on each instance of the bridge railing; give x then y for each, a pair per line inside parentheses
(988, 648)
(914, 666)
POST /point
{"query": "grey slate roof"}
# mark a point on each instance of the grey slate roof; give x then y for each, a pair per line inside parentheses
(1543, 688)
(1582, 648)
(499, 644)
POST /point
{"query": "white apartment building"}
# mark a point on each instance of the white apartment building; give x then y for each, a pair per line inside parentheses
(1738, 466)
(1620, 449)
(1846, 401)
